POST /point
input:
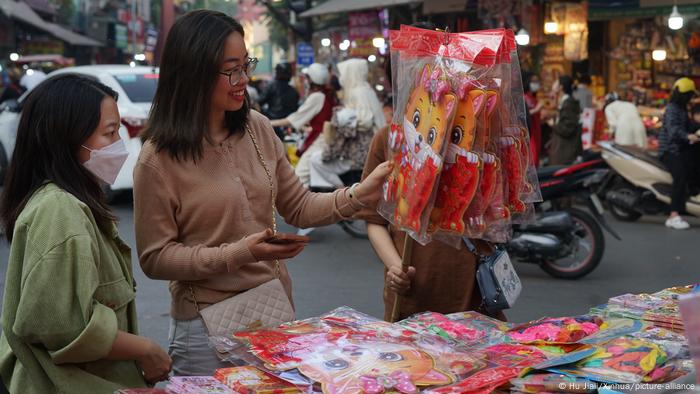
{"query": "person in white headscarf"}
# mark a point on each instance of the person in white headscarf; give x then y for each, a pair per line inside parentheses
(352, 127)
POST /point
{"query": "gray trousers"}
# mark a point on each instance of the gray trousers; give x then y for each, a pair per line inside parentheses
(189, 348)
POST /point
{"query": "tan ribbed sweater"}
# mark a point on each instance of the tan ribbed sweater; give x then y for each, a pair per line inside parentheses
(191, 219)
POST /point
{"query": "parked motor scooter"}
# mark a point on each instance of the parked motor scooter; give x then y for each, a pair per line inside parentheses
(565, 241)
(641, 184)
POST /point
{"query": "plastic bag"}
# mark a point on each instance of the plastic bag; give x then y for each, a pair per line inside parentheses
(560, 330)
(555, 383)
(470, 177)
(347, 365)
(424, 108)
(251, 380)
(487, 178)
(621, 360)
(197, 385)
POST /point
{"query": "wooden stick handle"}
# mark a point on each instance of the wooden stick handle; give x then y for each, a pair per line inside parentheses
(405, 263)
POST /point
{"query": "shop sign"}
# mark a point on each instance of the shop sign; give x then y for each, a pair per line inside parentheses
(121, 39)
(362, 28)
(609, 12)
(305, 54)
(151, 39)
(263, 52)
(42, 47)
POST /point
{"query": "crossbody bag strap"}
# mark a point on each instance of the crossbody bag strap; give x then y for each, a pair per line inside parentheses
(473, 249)
(273, 198)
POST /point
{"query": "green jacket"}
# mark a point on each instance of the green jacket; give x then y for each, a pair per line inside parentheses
(68, 289)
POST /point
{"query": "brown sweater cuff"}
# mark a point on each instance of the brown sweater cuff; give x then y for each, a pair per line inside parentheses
(345, 205)
(236, 255)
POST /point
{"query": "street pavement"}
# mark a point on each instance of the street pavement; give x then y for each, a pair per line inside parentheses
(336, 270)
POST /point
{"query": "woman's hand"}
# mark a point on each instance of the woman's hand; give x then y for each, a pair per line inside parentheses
(369, 191)
(154, 362)
(398, 281)
(693, 138)
(265, 251)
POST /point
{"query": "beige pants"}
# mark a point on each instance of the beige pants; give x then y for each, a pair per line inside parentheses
(303, 168)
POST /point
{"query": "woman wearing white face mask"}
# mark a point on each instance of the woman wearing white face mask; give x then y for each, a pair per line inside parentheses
(69, 318)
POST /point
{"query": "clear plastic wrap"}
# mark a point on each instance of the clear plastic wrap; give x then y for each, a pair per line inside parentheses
(197, 385)
(472, 176)
(251, 380)
(424, 108)
(559, 330)
(347, 365)
(621, 360)
(552, 383)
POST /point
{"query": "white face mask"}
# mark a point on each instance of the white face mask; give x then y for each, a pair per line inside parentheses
(534, 86)
(106, 163)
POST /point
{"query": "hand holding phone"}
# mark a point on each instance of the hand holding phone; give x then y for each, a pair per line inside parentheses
(285, 239)
(266, 245)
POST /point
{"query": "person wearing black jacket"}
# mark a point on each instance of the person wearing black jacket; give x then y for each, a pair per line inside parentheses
(675, 140)
(280, 98)
(565, 144)
(13, 90)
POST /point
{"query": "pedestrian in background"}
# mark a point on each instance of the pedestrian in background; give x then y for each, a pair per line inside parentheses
(583, 93)
(280, 99)
(675, 140)
(624, 121)
(316, 110)
(13, 90)
(69, 318)
(565, 143)
(354, 124)
(209, 180)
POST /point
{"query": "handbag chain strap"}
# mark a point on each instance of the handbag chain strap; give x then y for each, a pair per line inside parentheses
(272, 199)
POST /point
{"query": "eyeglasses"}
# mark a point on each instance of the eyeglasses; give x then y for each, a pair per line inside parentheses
(235, 75)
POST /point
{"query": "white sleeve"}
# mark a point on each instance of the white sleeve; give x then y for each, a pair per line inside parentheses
(610, 116)
(311, 107)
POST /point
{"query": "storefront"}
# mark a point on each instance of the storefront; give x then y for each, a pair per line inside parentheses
(28, 34)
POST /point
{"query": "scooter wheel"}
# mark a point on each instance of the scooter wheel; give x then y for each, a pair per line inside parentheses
(587, 248)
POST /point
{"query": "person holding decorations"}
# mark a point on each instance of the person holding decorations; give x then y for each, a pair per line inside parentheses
(441, 278)
(210, 178)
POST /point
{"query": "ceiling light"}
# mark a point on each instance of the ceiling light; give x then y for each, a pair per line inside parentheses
(675, 20)
(522, 38)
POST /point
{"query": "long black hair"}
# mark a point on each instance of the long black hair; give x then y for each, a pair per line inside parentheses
(188, 73)
(681, 99)
(57, 117)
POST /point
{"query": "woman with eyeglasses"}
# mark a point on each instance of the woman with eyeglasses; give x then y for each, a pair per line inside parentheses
(204, 182)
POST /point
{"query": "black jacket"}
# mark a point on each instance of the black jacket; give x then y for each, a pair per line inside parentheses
(281, 100)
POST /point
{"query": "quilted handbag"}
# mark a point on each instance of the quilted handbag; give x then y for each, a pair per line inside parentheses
(264, 306)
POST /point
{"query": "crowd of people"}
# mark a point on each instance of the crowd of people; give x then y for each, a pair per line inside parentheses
(211, 176)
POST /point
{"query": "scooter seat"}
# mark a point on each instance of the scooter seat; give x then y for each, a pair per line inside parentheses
(548, 172)
(641, 154)
(549, 222)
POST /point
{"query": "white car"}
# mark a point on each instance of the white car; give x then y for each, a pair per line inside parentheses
(136, 87)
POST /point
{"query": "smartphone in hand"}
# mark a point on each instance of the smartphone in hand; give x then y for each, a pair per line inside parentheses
(284, 238)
